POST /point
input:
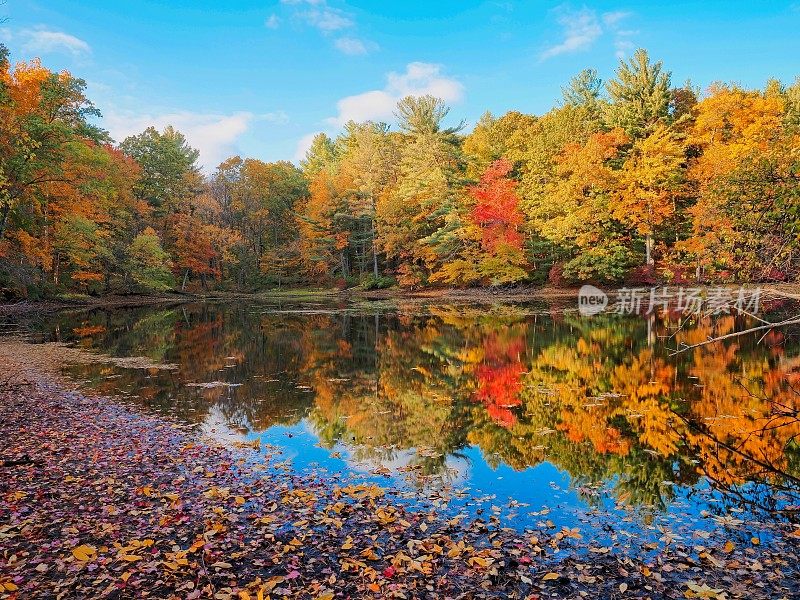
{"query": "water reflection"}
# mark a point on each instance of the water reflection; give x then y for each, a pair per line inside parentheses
(450, 391)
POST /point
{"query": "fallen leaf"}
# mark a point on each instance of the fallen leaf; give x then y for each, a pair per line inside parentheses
(84, 553)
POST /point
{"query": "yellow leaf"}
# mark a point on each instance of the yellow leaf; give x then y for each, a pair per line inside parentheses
(325, 596)
(244, 595)
(701, 591)
(479, 561)
(369, 554)
(125, 576)
(374, 587)
(9, 587)
(130, 557)
(623, 587)
(550, 576)
(84, 553)
(729, 546)
(239, 500)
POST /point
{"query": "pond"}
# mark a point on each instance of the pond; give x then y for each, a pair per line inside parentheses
(527, 405)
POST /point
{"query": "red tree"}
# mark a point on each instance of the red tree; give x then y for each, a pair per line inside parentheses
(497, 210)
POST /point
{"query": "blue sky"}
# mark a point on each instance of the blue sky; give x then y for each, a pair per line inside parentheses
(259, 78)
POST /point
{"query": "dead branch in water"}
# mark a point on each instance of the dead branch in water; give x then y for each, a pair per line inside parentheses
(792, 321)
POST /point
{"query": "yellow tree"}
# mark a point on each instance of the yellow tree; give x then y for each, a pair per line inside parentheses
(649, 183)
(742, 174)
(574, 210)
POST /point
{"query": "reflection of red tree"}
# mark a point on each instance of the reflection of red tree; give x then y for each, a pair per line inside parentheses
(499, 377)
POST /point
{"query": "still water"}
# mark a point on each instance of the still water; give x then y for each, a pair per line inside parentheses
(523, 403)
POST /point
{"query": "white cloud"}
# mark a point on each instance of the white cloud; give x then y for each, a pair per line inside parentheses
(369, 106)
(303, 146)
(351, 46)
(214, 135)
(584, 27)
(425, 78)
(272, 22)
(581, 29)
(418, 79)
(612, 18)
(278, 117)
(622, 46)
(43, 41)
(328, 20)
(318, 14)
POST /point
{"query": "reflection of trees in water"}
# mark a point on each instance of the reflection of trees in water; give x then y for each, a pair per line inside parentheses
(599, 398)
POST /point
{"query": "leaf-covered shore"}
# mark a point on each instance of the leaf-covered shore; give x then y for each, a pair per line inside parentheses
(101, 500)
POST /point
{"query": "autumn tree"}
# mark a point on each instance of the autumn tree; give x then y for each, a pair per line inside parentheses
(649, 184)
(744, 170)
(319, 156)
(491, 237)
(65, 193)
(576, 215)
(493, 138)
(535, 147)
(370, 162)
(148, 265)
(417, 221)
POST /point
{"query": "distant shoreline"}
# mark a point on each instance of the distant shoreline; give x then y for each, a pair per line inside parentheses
(475, 294)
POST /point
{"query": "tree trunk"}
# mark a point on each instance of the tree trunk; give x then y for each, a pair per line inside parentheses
(374, 253)
(648, 249)
(4, 219)
(185, 277)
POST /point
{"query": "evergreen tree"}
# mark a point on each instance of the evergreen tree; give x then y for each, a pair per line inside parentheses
(640, 95)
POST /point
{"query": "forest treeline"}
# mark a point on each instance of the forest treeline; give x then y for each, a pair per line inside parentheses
(632, 180)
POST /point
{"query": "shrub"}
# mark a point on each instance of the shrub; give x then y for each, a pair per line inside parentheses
(381, 282)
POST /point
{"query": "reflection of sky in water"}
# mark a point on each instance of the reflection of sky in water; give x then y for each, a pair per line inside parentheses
(541, 487)
(539, 496)
(438, 399)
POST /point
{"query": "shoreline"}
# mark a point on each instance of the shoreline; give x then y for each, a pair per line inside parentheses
(104, 499)
(473, 295)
